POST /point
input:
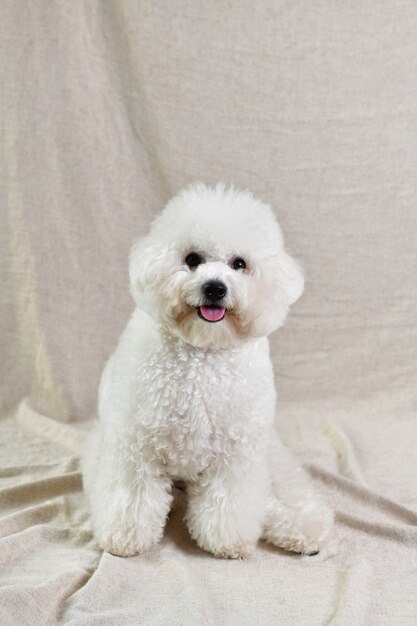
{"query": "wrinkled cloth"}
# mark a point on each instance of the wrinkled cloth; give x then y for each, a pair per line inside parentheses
(107, 110)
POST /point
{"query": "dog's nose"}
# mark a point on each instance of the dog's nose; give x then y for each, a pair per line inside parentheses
(214, 290)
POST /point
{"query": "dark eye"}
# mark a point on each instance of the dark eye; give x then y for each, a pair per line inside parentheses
(193, 259)
(238, 264)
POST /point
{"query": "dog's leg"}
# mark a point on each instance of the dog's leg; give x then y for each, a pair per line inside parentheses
(129, 498)
(297, 516)
(226, 507)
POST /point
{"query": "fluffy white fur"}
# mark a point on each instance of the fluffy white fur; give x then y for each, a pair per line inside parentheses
(183, 398)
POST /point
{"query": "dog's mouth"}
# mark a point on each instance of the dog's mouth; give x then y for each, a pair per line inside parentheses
(211, 312)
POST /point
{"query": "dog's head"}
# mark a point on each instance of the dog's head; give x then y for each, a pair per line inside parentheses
(212, 269)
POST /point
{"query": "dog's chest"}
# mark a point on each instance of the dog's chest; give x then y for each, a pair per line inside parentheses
(196, 404)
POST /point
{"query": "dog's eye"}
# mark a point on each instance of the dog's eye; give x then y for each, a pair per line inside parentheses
(193, 260)
(238, 264)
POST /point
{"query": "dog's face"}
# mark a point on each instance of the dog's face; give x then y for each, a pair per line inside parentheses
(213, 270)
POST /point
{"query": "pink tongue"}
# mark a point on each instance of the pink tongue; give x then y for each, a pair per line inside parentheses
(212, 313)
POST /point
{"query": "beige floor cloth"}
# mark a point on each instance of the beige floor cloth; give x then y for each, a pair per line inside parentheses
(107, 109)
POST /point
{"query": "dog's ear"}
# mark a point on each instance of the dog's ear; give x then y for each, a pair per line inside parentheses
(281, 284)
(143, 267)
(290, 277)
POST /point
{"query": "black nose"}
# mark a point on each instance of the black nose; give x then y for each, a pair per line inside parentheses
(214, 290)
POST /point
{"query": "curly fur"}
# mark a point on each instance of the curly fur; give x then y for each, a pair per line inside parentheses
(185, 399)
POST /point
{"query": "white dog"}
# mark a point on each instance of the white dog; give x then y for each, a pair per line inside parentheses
(189, 392)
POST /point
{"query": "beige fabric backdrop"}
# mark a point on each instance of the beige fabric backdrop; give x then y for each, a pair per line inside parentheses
(109, 108)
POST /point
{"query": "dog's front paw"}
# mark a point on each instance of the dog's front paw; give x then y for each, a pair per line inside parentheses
(121, 547)
(124, 543)
(237, 551)
(127, 541)
(214, 533)
(235, 548)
